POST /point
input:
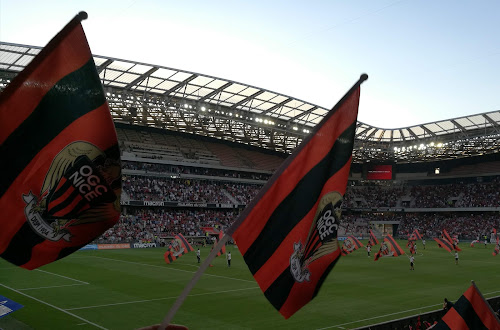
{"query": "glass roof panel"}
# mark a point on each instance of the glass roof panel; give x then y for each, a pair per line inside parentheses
(140, 69)
(234, 88)
(180, 76)
(9, 58)
(218, 83)
(167, 85)
(121, 66)
(99, 61)
(249, 91)
(25, 60)
(419, 131)
(446, 125)
(235, 99)
(433, 127)
(127, 77)
(163, 73)
(495, 116)
(266, 96)
(478, 120)
(201, 80)
(320, 112)
(151, 82)
(464, 122)
(109, 74)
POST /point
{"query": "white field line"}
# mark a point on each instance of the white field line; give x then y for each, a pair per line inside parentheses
(55, 307)
(177, 269)
(165, 298)
(69, 278)
(401, 312)
(53, 286)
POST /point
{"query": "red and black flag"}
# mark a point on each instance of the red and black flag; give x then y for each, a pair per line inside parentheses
(288, 233)
(444, 244)
(60, 188)
(351, 244)
(383, 251)
(178, 247)
(412, 249)
(417, 234)
(471, 311)
(373, 239)
(450, 240)
(393, 246)
(223, 250)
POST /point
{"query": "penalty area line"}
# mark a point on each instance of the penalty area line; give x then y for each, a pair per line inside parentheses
(55, 307)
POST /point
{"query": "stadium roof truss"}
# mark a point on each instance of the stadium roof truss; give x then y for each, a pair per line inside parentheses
(150, 95)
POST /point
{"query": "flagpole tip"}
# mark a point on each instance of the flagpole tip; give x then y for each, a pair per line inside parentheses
(363, 77)
(82, 15)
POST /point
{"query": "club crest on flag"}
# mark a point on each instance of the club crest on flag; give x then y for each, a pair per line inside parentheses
(76, 190)
(176, 247)
(322, 238)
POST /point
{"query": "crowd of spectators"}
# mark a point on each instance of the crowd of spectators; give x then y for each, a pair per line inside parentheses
(468, 226)
(153, 224)
(177, 169)
(142, 223)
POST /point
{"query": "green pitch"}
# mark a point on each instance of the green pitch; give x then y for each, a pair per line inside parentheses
(128, 289)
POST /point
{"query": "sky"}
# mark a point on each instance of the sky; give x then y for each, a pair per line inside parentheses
(427, 60)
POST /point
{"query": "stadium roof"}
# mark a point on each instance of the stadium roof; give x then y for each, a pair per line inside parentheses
(156, 96)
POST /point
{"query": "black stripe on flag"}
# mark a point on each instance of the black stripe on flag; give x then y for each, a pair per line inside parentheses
(186, 245)
(64, 204)
(279, 290)
(289, 213)
(19, 250)
(71, 97)
(466, 311)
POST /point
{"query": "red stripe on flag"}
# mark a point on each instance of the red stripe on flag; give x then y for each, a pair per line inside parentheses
(94, 127)
(43, 76)
(455, 320)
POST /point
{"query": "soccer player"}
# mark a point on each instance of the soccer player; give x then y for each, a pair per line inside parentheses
(412, 260)
(423, 243)
(228, 257)
(198, 255)
(368, 249)
(456, 257)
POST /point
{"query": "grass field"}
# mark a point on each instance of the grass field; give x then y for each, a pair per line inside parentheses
(128, 289)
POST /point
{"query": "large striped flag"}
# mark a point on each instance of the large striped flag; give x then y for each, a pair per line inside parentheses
(61, 179)
(471, 311)
(288, 233)
(350, 244)
(453, 242)
(444, 244)
(177, 248)
(389, 248)
(417, 234)
(373, 239)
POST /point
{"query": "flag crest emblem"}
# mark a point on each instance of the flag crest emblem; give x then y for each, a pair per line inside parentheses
(76, 190)
(322, 238)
